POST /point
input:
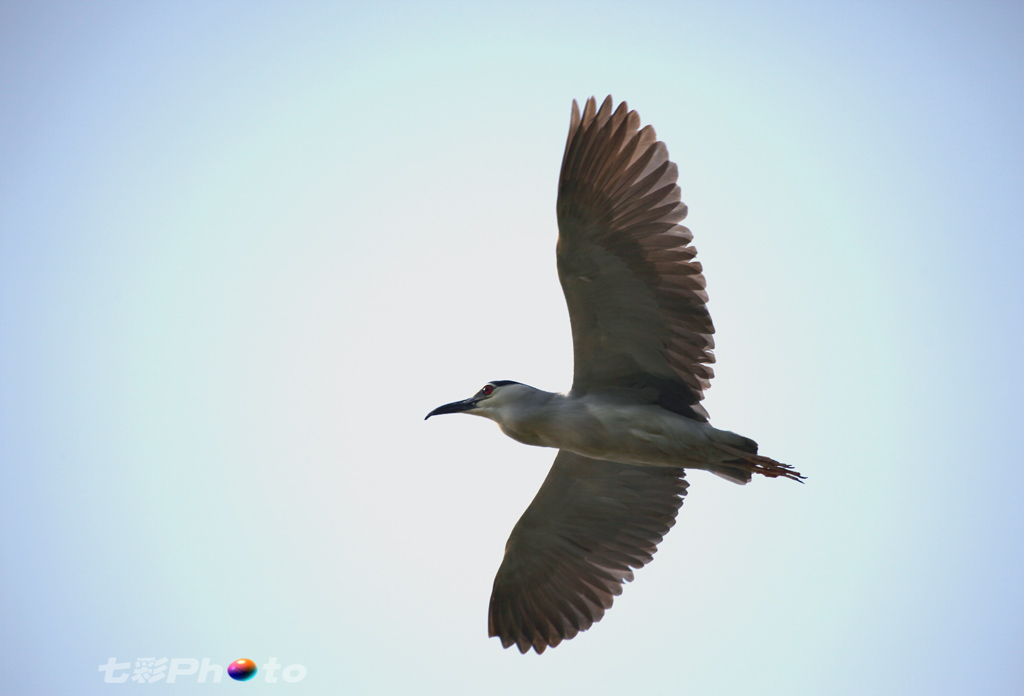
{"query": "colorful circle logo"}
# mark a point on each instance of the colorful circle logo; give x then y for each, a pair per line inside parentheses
(242, 670)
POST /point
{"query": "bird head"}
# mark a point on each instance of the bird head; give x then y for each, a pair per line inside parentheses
(486, 402)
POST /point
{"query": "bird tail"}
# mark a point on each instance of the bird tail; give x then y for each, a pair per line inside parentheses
(731, 472)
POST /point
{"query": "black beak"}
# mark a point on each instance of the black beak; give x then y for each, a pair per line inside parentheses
(454, 407)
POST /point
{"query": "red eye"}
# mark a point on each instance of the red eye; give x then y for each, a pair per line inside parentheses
(487, 389)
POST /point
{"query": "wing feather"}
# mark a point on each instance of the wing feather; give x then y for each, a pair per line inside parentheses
(591, 524)
(636, 296)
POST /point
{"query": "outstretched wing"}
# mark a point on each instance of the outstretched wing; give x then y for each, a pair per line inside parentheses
(636, 296)
(591, 523)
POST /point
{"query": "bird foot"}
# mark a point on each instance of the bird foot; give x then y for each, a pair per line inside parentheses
(766, 466)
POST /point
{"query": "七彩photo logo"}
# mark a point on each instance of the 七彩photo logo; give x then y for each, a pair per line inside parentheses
(148, 670)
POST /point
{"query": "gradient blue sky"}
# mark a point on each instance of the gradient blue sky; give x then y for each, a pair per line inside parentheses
(245, 247)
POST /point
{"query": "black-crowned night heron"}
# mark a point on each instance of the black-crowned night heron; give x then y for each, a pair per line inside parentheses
(632, 422)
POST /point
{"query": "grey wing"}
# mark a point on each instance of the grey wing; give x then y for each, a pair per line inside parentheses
(591, 523)
(636, 296)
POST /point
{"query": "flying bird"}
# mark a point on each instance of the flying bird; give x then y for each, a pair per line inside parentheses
(632, 423)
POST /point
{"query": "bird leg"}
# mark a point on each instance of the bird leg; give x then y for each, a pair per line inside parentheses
(757, 464)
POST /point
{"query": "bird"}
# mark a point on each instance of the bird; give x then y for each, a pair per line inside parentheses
(632, 422)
